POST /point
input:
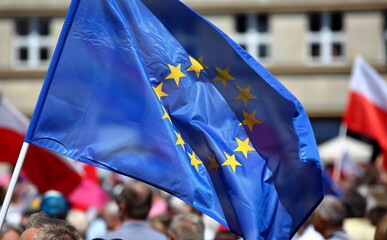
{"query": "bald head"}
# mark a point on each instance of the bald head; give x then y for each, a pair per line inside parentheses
(28, 234)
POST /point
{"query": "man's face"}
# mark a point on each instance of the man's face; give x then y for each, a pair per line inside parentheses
(28, 234)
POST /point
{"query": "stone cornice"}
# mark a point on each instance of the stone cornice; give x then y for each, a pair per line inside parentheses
(220, 7)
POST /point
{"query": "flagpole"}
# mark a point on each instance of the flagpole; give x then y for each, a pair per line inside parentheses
(12, 184)
(339, 160)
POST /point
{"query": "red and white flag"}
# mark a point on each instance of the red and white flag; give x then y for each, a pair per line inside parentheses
(44, 169)
(366, 111)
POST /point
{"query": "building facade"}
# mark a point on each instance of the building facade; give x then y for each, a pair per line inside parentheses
(309, 45)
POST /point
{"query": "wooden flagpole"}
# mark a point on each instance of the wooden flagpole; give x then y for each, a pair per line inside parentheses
(12, 184)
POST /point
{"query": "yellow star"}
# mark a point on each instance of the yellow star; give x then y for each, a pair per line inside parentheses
(213, 164)
(166, 115)
(194, 161)
(250, 120)
(195, 66)
(180, 140)
(175, 74)
(231, 161)
(245, 95)
(200, 60)
(243, 146)
(159, 92)
(223, 75)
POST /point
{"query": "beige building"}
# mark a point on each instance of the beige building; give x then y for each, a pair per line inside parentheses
(309, 45)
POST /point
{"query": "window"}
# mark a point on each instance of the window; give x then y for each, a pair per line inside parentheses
(32, 42)
(252, 33)
(326, 37)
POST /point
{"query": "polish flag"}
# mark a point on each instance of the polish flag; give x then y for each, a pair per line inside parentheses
(46, 170)
(366, 111)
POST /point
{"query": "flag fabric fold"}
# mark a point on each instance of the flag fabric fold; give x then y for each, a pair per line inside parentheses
(366, 110)
(151, 90)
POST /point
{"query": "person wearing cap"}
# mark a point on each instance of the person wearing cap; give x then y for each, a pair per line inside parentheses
(54, 204)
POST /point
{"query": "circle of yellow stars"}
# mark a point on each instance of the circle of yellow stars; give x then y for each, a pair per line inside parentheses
(245, 95)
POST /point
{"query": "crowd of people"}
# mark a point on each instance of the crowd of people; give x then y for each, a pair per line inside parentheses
(135, 211)
(354, 209)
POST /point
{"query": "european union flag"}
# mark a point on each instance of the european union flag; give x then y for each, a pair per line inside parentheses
(152, 90)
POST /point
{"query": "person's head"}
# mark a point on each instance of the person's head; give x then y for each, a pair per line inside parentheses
(79, 220)
(329, 216)
(54, 204)
(160, 223)
(355, 204)
(42, 227)
(224, 234)
(381, 229)
(376, 214)
(10, 232)
(135, 201)
(110, 214)
(188, 226)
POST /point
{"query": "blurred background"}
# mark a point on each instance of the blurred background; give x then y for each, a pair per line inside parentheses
(308, 45)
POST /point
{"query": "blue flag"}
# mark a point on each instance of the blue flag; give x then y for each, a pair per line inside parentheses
(152, 90)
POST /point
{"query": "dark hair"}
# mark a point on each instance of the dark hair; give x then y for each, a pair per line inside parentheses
(52, 228)
(137, 199)
(355, 204)
(381, 229)
(376, 214)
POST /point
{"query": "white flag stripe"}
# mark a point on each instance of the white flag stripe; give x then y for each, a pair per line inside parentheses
(11, 118)
(369, 83)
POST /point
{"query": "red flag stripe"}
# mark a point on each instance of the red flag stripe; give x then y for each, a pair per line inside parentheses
(366, 111)
(364, 117)
(44, 169)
